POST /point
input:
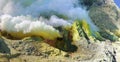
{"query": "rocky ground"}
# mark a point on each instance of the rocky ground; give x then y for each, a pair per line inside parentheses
(38, 51)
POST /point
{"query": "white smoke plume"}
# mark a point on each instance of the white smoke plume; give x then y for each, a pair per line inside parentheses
(27, 15)
(26, 25)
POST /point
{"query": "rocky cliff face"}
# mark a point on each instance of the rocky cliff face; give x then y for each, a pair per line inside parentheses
(104, 14)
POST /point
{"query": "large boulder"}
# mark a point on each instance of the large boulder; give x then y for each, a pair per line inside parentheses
(106, 16)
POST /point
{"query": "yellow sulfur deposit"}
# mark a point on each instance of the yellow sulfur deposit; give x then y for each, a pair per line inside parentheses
(74, 32)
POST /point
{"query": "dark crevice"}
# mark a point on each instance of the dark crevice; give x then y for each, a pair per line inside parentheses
(4, 47)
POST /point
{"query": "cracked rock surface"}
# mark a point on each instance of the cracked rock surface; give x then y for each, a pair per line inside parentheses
(29, 51)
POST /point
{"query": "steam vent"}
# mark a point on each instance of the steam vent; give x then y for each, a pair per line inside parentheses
(59, 31)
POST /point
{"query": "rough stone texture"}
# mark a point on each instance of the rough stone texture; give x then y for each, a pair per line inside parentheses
(38, 51)
(117, 48)
(106, 15)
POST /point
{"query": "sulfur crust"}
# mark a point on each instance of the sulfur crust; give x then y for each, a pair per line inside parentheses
(45, 35)
(117, 32)
(74, 32)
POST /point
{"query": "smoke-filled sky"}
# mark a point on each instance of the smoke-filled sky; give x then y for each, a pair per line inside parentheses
(18, 15)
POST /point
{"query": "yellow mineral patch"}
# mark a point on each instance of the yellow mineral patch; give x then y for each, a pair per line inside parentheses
(117, 32)
(74, 32)
(45, 35)
(85, 27)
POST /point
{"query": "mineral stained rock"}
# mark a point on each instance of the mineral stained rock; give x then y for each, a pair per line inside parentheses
(104, 14)
(39, 51)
